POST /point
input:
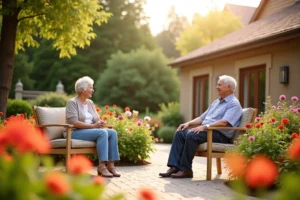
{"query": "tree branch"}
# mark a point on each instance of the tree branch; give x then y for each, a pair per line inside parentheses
(30, 16)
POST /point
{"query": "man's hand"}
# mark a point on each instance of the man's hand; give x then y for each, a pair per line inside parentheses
(198, 129)
(182, 127)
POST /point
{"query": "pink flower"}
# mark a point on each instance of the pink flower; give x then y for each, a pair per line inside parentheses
(257, 119)
(120, 117)
(147, 125)
(139, 123)
(295, 99)
(274, 107)
(282, 97)
(298, 109)
(279, 108)
(251, 138)
(128, 113)
(147, 118)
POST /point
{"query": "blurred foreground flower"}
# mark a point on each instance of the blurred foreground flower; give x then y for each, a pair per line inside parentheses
(147, 194)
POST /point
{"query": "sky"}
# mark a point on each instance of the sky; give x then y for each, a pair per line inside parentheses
(157, 10)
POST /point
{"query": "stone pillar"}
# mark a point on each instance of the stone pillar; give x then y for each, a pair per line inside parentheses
(60, 88)
(19, 90)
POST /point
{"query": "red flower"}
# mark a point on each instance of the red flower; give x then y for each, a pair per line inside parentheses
(79, 164)
(114, 105)
(1, 113)
(294, 150)
(236, 164)
(106, 107)
(98, 180)
(285, 121)
(127, 109)
(22, 135)
(146, 194)
(294, 135)
(273, 119)
(57, 183)
(261, 172)
(281, 127)
(257, 125)
(261, 123)
(248, 125)
(97, 109)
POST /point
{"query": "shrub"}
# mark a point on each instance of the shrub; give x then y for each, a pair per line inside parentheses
(135, 140)
(272, 133)
(170, 114)
(51, 99)
(156, 124)
(166, 133)
(15, 107)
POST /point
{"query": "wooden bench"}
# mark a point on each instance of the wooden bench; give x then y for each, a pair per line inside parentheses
(53, 122)
(217, 150)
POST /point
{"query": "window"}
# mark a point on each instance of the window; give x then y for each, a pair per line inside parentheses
(200, 95)
(253, 87)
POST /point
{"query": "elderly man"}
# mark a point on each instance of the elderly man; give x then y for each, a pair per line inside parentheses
(225, 111)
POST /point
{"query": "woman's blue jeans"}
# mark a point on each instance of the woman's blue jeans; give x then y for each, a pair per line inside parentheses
(106, 142)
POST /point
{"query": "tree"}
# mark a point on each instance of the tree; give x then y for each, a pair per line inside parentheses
(206, 29)
(168, 37)
(123, 31)
(137, 79)
(67, 23)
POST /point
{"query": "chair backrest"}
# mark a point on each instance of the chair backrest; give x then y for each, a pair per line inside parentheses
(51, 115)
(248, 116)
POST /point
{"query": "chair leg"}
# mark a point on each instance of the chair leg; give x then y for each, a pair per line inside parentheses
(67, 162)
(219, 167)
(209, 165)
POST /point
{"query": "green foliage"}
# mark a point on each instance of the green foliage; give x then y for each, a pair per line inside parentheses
(170, 114)
(68, 24)
(15, 107)
(167, 38)
(166, 133)
(135, 140)
(22, 70)
(271, 134)
(156, 124)
(138, 79)
(51, 99)
(206, 29)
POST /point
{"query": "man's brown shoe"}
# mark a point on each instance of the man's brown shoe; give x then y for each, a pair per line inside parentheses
(169, 172)
(183, 174)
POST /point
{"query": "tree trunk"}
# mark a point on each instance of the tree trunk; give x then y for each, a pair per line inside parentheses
(7, 50)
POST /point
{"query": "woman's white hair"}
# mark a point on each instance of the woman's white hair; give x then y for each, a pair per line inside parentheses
(229, 81)
(83, 83)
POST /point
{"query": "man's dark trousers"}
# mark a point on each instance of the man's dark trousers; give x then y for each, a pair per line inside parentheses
(185, 144)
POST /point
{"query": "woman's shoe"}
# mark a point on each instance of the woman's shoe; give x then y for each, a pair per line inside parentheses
(114, 172)
(104, 172)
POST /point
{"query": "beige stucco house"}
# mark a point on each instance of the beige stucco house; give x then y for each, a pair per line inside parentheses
(263, 56)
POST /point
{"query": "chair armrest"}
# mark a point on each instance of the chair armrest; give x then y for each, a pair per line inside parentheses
(50, 125)
(226, 128)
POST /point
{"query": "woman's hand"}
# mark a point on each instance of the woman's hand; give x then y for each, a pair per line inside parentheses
(100, 124)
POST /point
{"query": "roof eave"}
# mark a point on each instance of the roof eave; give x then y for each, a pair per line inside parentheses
(237, 49)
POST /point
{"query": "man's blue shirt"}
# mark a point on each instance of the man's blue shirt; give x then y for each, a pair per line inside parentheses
(228, 109)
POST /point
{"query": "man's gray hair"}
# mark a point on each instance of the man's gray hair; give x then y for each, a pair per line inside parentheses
(83, 83)
(229, 81)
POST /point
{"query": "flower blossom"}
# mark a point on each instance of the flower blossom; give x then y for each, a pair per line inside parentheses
(146, 194)
(294, 150)
(236, 164)
(295, 99)
(147, 118)
(248, 125)
(257, 125)
(282, 97)
(257, 119)
(127, 109)
(285, 121)
(147, 125)
(1, 113)
(139, 123)
(281, 127)
(273, 119)
(251, 138)
(120, 117)
(98, 180)
(57, 183)
(294, 136)
(128, 113)
(261, 172)
(79, 164)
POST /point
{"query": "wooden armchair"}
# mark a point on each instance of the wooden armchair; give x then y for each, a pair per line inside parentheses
(53, 122)
(217, 150)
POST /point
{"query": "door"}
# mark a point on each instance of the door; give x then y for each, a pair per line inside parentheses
(200, 95)
(253, 87)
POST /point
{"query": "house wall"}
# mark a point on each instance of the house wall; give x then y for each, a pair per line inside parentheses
(273, 6)
(273, 56)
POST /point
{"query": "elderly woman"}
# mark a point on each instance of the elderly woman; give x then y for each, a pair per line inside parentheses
(82, 114)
